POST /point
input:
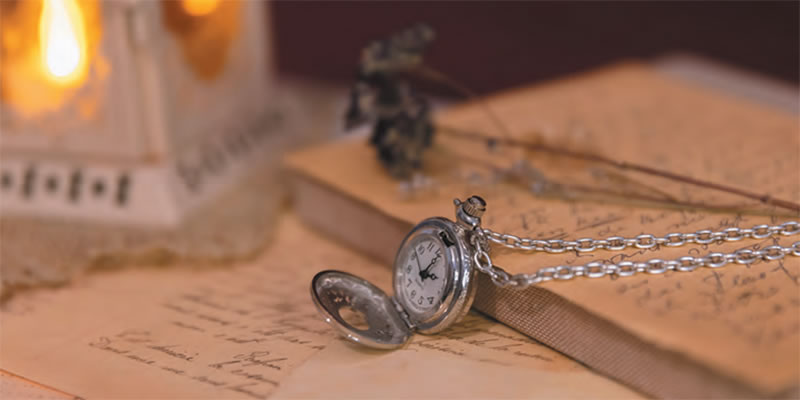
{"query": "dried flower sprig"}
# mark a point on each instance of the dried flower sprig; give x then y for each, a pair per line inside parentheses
(403, 128)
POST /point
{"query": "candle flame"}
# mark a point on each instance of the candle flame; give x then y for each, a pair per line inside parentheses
(198, 8)
(63, 41)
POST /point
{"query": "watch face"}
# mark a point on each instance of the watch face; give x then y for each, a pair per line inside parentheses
(433, 275)
(424, 272)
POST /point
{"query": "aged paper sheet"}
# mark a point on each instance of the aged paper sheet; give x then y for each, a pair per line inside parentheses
(15, 387)
(743, 321)
(241, 332)
(431, 369)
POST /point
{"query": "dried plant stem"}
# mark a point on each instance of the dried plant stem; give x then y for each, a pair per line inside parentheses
(560, 190)
(509, 141)
(620, 164)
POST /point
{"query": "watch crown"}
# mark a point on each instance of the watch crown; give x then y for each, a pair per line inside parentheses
(469, 212)
(475, 206)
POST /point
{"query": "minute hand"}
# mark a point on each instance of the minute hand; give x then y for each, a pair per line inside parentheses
(422, 274)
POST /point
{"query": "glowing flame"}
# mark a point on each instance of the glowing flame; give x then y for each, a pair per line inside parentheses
(199, 8)
(63, 41)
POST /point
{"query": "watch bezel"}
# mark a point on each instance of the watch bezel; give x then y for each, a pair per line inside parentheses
(459, 291)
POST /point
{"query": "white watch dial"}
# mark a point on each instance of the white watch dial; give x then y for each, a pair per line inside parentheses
(423, 274)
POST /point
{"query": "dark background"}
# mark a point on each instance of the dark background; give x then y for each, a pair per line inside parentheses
(494, 45)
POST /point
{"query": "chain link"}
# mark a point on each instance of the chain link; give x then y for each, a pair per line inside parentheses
(654, 266)
(642, 241)
(597, 269)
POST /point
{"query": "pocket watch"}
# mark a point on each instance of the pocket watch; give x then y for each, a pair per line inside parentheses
(435, 266)
(433, 281)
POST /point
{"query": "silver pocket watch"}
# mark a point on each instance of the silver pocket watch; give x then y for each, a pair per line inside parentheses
(434, 283)
(434, 271)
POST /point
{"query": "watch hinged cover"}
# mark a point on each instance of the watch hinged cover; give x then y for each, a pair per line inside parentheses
(385, 328)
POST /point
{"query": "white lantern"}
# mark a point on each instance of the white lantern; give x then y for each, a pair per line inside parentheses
(129, 111)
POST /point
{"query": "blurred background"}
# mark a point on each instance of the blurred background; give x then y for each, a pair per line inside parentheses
(495, 45)
(145, 114)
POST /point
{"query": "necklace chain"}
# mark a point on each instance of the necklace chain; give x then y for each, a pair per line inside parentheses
(598, 269)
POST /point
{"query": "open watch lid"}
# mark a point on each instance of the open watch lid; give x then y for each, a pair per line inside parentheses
(334, 291)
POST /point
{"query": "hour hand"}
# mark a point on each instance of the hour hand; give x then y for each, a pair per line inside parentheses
(430, 265)
(424, 275)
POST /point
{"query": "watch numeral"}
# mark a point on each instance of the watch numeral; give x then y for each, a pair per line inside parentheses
(430, 246)
(420, 300)
(430, 300)
(408, 268)
(413, 293)
(409, 282)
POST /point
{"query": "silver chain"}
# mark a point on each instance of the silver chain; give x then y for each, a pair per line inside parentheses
(597, 269)
(642, 241)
